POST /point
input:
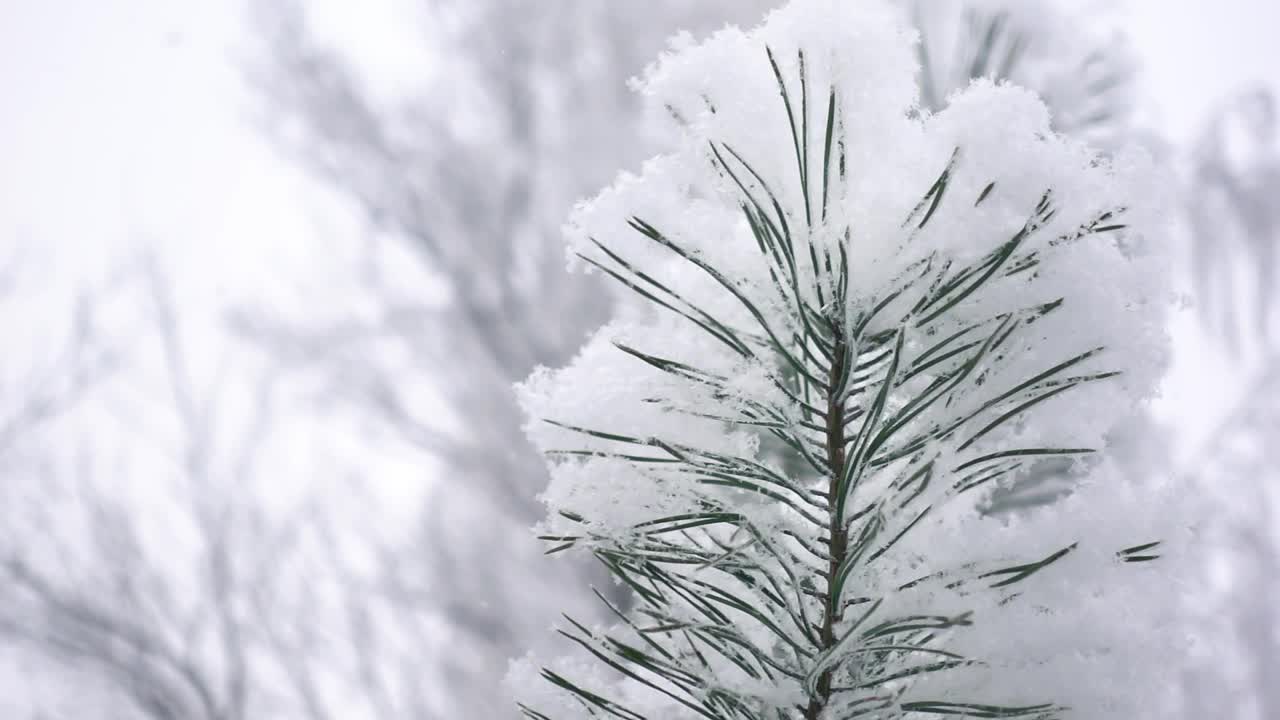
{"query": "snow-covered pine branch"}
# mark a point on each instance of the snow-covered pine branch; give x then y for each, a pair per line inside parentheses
(843, 323)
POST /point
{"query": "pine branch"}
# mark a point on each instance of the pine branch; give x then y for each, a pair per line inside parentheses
(785, 586)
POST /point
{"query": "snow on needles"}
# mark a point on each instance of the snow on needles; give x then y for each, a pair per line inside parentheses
(836, 310)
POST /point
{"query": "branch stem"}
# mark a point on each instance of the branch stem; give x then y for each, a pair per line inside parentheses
(838, 542)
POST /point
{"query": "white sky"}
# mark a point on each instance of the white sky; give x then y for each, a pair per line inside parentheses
(1195, 52)
(125, 122)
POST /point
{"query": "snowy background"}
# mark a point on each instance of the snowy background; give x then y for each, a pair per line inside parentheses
(267, 271)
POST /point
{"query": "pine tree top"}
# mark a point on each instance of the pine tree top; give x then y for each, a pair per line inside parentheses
(844, 321)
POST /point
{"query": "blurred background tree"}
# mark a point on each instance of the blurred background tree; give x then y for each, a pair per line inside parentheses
(1233, 229)
(1085, 73)
(468, 179)
(157, 551)
(1235, 226)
